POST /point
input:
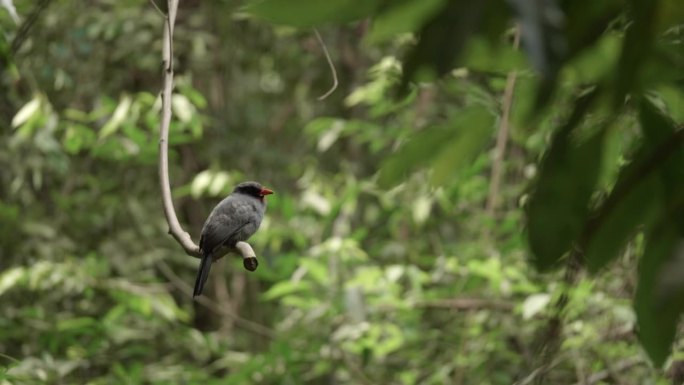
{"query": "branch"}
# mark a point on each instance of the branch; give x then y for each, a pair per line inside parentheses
(23, 32)
(330, 64)
(502, 137)
(175, 229)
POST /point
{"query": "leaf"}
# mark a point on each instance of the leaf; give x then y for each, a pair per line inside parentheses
(200, 183)
(445, 148)
(415, 153)
(617, 219)
(10, 277)
(535, 304)
(673, 98)
(636, 46)
(119, 115)
(219, 183)
(559, 203)
(402, 16)
(182, 107)
(660, 292)
(659, 301)
(328, 138)
(285, 288)
(308, 13)
(473, 130)
(12, 10)
(441, 40)
(26, 112)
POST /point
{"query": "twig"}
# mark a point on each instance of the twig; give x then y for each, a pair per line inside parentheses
(28, 23)
(154, 4)
(215, 307)
(502, 137)
(330, 64)
(175, 229)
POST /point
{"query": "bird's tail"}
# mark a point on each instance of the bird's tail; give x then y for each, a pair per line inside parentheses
(202, 274)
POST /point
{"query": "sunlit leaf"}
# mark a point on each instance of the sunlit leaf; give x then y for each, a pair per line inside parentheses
(329, 137)
(201, 182)
(182, 107)
(534, 304)
(10, 277)
(118, 117)
(26, 112)
(218, 184)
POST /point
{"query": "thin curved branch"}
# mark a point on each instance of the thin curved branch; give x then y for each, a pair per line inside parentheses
(330, 64)
(175, 228)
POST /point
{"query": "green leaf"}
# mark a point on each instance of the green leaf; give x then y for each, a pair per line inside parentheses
(473, 130)
(659, 299)
(402, 16)
(617, 219)
(308, 13)
(636, 48)
(441, 40)
(559, 203)
(413, 154)
(445, 148)
(638, 194)
(285, 288)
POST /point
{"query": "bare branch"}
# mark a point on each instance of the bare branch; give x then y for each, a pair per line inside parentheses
(330, 64)
(154, 4)
(502, 137)
(175, 228)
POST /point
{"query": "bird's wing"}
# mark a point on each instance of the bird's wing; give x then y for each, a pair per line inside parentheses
(225, 222)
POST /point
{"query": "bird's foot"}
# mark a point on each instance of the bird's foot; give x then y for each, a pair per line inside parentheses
(250, 263)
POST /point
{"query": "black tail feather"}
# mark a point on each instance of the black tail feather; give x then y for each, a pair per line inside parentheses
(202, 275)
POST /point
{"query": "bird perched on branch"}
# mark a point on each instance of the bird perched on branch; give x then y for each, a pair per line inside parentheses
(234, 219)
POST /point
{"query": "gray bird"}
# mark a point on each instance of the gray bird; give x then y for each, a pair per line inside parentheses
(234, 219)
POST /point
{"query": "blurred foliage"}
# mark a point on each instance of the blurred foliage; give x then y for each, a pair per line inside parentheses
(383, 260)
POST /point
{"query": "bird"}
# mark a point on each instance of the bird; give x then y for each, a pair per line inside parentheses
(236, 218)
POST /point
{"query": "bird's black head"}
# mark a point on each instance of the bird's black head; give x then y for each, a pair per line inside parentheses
(253, 189)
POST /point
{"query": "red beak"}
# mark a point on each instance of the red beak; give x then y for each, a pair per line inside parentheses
(265, 191)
